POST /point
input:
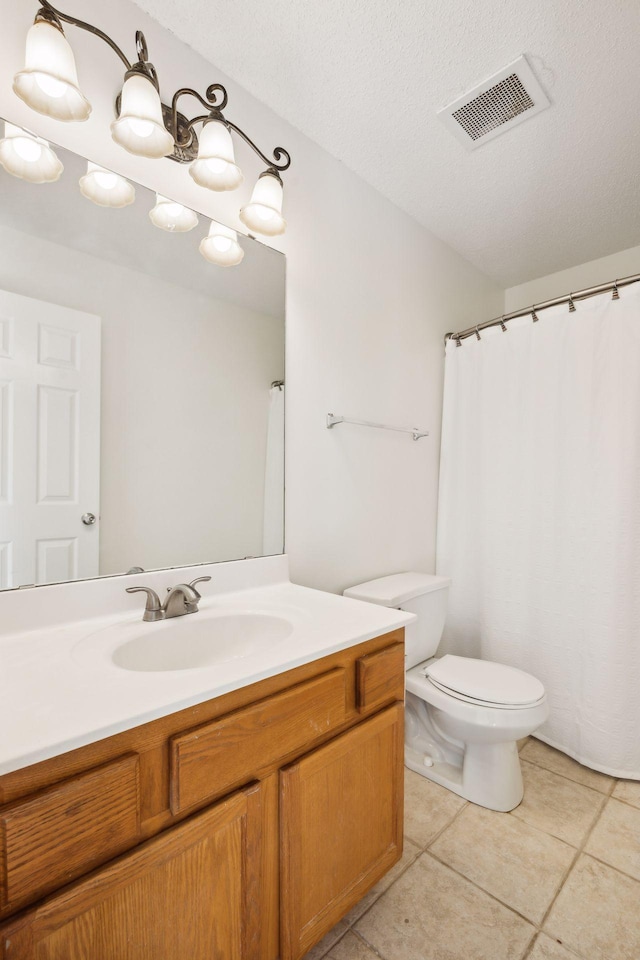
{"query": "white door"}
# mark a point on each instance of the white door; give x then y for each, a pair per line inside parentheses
(49, 442)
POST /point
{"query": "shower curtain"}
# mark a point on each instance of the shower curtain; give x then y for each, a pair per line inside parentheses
(539, 516)
(273, 516)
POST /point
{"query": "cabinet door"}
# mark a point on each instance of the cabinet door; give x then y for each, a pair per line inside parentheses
(190, 892)
(341, 813)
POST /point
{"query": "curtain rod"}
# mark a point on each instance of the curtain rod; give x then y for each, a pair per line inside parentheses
(533, 309)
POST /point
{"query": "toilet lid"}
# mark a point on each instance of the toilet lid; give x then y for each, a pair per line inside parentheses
(484, 681)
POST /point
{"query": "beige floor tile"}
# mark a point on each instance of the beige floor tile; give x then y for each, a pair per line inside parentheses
(561, 807)
(597, 913)
(431, 913)
(545, 756)
(409, 854)
(516, 863)
(327, 942)
(629, 791)
(352, 947)
(616, 838)
(428, 808)
(547, 949)
(523, 742)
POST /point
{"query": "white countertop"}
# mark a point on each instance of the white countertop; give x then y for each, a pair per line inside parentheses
(59, 688)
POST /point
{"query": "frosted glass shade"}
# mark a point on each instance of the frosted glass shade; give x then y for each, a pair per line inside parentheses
(140, 128)
(105, 188)
(172, 216)
(28, 157)
(263, 214)
(49, 81)
(221, 246)
(215, 166)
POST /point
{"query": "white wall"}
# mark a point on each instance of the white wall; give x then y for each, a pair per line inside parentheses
(370, 295)
(590, 274)
(171, 359)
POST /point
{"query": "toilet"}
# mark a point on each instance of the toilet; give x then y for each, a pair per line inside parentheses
(463, 716)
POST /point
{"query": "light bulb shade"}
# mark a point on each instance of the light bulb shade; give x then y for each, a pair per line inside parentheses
(263, 214)
(215, 166)
(172, 216)
(140, 128)
(221, 246)
(105, 188)
(49, 81)
(28, 157)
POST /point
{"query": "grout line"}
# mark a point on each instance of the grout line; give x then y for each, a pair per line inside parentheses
(611, 866)
(368, 945)
(579, 851)
(603, 793)
(542, 933)
(437, 835)
(352, 924)
(487, 893)
(627, 803)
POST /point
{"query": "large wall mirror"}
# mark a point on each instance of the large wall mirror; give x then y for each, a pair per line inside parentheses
(141, 397)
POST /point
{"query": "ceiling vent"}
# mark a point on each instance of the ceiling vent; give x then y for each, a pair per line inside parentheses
(507, 98)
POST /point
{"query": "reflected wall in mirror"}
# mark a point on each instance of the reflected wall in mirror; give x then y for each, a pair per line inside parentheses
(139, 424)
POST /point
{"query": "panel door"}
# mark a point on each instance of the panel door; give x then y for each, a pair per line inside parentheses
(49, 441)
(191, 892)
(341, 810)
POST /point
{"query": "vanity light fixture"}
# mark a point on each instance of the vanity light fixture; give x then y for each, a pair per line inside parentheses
(144, 125)
(215, 166)
(106, 188)
(221, 246)
(264, 212)
(49, 81)
(28, 157)
(171, 216)
(140, 128)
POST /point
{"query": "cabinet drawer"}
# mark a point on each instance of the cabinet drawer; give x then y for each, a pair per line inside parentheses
(55, 836)
(380, 677)
(221, 754)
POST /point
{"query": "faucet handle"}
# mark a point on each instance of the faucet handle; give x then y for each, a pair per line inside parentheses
(153, 608)
(198, 580)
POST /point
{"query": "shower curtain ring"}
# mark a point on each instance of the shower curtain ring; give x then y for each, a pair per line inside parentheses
(534, 315)
(502, 324)
(615, 295)
(572, 306)
(458, 341)
(478, 333)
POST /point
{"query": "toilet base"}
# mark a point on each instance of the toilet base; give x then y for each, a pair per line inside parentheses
(489, 774)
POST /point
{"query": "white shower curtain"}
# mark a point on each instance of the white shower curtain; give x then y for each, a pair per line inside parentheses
(539, 516)
(273, 517)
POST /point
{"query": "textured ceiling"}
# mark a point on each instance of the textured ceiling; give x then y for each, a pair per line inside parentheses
(364, 79)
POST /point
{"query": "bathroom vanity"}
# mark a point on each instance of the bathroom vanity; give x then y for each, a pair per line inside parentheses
(242, 826)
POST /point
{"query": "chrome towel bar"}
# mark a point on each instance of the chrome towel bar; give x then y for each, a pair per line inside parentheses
(333, 419)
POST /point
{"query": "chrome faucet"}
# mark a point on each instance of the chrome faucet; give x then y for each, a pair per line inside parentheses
(181, 599)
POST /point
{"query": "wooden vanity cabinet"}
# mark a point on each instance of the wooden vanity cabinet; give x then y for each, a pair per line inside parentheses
(242, 828)
(191, 892)
(341, 827)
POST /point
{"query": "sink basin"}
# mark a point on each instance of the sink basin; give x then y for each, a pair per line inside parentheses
(187, 643)
(191, 642)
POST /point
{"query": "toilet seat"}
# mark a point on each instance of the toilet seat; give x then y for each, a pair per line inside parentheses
(484, 683)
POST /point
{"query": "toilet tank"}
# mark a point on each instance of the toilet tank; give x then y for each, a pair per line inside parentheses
(418, 593)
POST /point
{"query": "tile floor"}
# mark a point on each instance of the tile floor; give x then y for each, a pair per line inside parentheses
(558, 878)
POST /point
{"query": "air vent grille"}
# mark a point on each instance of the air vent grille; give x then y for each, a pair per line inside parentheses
(498, 105)
(509, 97)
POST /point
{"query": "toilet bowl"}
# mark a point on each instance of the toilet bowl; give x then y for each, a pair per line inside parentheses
(463, 716)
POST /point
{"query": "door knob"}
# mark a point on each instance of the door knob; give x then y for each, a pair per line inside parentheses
(88, 518)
